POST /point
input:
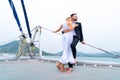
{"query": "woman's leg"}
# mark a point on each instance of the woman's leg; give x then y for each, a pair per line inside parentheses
(58, 65)
(62, 68)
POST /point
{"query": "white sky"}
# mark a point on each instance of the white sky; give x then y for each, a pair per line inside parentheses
(100, 20)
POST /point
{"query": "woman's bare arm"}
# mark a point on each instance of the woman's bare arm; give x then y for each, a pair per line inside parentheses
(58, 29)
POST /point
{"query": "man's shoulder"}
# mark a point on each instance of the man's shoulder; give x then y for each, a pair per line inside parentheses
(78, 22)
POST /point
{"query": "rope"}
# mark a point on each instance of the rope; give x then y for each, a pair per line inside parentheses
(89, 45)
(103, 50)
(86, 43)
(48, 30)
(8, 40)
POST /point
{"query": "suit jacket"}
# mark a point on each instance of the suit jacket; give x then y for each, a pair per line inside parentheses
(78, 31)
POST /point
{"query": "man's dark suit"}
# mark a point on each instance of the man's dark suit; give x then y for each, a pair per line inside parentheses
(78, 37)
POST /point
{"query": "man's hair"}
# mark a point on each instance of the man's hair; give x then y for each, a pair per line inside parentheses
(72, 14)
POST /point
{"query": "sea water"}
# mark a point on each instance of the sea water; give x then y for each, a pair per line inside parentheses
(79, 58)
(96, 59)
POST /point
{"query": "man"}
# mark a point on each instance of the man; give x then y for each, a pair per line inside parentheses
(78, 36)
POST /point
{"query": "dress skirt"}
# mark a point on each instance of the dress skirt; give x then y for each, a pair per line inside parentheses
(67, 56)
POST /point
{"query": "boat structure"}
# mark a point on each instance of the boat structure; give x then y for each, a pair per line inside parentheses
(39, 63)
(27, 41)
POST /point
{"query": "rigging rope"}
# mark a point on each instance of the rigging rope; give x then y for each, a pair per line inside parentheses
(103, 50)
(8, 40)
(90, 45)
(48, 30)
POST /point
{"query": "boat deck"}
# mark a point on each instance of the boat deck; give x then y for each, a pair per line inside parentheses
(45, 69)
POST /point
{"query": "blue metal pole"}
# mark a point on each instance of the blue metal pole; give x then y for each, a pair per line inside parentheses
(26, 18)
(15, 14)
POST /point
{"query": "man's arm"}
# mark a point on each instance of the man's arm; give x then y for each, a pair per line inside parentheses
(78, 31)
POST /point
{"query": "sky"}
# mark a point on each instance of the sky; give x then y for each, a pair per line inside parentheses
(100, 22)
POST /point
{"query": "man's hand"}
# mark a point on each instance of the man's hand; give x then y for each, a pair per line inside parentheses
(76, 25)
(83, 42)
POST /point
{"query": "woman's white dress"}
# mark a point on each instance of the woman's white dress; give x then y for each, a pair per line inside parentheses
(67, 55)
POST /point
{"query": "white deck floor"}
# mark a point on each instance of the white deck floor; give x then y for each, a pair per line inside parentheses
(39, 70)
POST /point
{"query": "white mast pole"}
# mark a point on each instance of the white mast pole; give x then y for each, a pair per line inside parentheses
(39, 41)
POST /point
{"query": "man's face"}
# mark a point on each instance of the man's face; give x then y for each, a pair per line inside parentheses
(75, 17)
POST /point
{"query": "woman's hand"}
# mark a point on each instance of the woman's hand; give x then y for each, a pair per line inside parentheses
(76, 25)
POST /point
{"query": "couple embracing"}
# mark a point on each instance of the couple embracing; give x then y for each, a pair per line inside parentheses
(72, 34)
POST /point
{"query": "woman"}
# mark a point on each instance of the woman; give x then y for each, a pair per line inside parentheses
(67, 56)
